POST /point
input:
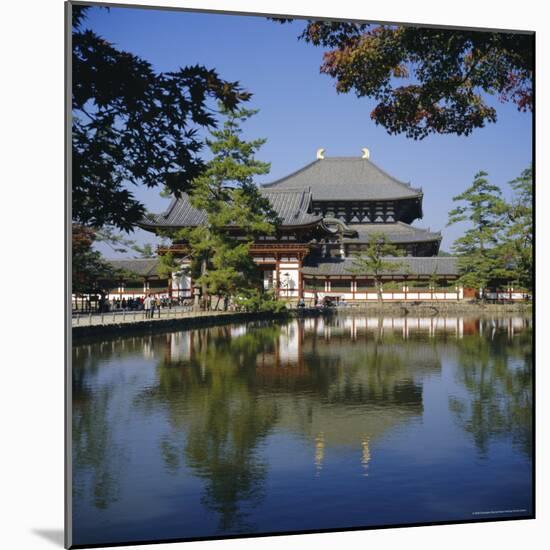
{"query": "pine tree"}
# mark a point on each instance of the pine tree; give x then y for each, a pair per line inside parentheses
(517, 247)
(145, 251)
(373, 261)
(483, 208)
(236, 214)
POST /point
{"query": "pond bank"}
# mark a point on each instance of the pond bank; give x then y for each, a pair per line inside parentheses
(440, 308)
(205, 319)
(201, 319)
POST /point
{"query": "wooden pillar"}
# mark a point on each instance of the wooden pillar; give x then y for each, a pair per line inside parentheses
(277, 278)
(300, 278)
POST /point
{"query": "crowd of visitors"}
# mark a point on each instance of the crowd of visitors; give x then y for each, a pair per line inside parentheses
(149, 303)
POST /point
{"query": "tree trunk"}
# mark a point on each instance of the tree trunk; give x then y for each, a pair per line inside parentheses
(379, 290)
(204, 290)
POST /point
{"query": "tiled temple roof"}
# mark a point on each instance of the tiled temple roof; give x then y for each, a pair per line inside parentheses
(143, 267)
(291, 205)
(398, 232)
(414, 266)
(346, 179)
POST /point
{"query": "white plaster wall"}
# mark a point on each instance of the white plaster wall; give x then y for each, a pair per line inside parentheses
(237, 331)
(267, 273)
(293, 281)
(180, 346)
(398, 295)
(289, 343)
(181, 282)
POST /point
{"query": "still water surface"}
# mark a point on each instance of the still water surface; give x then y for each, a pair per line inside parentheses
(312, 424)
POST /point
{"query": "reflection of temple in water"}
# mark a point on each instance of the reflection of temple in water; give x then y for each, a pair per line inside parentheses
(348, 394)
(356, 326)
(332, 384)
(144, 346)
(346, 381)
(288, 347)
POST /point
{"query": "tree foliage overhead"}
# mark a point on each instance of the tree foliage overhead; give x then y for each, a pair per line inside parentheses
(426, 80)
(134, 126)
(121, 244)
(90, 272)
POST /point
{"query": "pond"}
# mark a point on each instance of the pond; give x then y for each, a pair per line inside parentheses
(319, 423)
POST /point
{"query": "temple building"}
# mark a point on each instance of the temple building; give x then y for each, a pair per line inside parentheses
(329, 209)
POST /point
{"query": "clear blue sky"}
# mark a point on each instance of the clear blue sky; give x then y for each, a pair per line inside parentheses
(300, 110)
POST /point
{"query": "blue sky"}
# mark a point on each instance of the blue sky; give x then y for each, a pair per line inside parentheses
(300, 110)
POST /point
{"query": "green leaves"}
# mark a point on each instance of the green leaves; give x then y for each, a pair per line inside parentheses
(90, 272)
(484, 208)
(236, 214)
(518, 237)
(497, 246)
(135, 126)
(372, 261)
(447, 72)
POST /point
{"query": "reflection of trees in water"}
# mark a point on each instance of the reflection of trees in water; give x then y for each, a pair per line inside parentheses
(211, 397)
(234, 385)
(354, 391)
(496, 370)
(230, 391)
(97, 458)
(376, 373)
(377, 368)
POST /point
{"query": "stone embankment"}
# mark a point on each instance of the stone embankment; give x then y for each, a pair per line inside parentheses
(111, 324)
(119, 323)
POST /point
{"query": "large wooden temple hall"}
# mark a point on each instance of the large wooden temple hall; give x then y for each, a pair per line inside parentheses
(328, 211)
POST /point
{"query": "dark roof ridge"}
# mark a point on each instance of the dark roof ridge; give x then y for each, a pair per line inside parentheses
(288, 190)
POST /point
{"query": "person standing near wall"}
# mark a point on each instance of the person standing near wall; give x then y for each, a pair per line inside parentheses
(147, 306)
